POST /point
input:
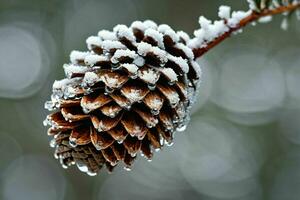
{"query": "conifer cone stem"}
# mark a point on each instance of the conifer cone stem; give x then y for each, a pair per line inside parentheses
(198, 52)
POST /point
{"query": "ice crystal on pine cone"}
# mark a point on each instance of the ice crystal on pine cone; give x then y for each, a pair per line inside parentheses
(128, 93)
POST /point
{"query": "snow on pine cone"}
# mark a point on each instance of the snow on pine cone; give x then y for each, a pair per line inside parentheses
(128, 93)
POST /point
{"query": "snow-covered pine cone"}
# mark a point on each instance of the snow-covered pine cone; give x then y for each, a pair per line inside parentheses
(129, 92)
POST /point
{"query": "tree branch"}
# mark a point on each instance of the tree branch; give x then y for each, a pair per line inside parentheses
(247, 20)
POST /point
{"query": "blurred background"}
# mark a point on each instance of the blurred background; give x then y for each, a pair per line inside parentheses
(243, 142)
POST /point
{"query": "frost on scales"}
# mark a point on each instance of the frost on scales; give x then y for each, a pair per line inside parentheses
(149, 75)
(179, 61)
(123, 55)
(90, 78)
(131, 68)
(71, 70)
(157, 36)
(108, 45)
(188, 52)
(150, 24)
(167, 30)
(93, 59)
(93, 41)
(129, 92)
(169, 73)
(77, 55)
(106, 35)
(138, 25)
(184, 37)
(123, 31)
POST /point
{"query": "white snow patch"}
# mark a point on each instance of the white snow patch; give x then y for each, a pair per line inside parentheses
(204, 23)
(218, 28)
(150, 24)
(200, 35)
(123, 53)
(169, 72)
(77, 55)
(183, 35)
(132, 68)
(187, 51)
(145, 48)
(237, 16)
(195, 43)
(138, 25)
(209, 31)
(224, 12)
(167, 30)
(161, 54)
(139, 61)
(197, 69)
(150, 75)
(134, 95)
(65, 88)
(182, 63)
(58, 84)
(92, 59)
(156, 102)
(71, 69)
(157, 36)
(90, 78)
(123, 31)
(107, 45)
(93, 41)
(70, 92)
(61, 85)
(107, 35)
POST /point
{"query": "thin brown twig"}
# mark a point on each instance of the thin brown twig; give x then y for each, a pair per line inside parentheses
(247, 20)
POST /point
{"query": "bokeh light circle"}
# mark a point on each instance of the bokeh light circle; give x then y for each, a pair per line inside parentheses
(217, 156)
(250, 82)
(21, 64)
(33, 177)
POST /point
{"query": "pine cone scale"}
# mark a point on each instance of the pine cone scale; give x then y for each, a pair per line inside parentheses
(118, 133)
(101, 140)
(119, 151)
(80, 136)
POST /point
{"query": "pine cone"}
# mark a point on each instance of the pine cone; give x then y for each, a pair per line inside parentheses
(129, 92)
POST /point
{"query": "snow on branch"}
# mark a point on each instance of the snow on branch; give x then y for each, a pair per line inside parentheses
(212, 33)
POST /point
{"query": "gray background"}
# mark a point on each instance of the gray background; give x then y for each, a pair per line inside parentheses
(244, 136)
